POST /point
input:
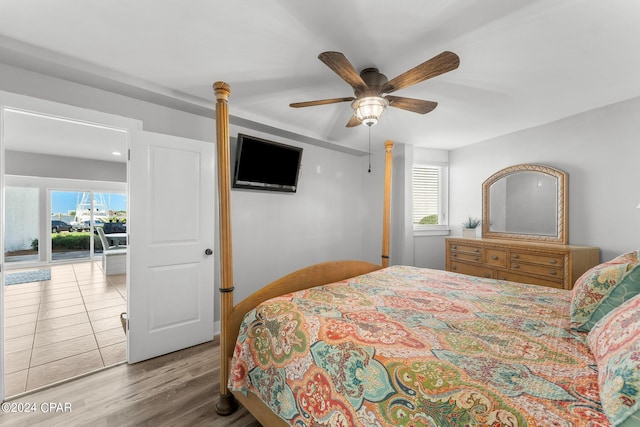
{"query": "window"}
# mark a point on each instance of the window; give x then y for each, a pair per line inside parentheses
(430, 185)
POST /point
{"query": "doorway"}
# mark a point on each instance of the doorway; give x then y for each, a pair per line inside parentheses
(170, 304)
(61, 312)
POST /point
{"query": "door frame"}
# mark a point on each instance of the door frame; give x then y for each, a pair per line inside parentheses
(13, 101)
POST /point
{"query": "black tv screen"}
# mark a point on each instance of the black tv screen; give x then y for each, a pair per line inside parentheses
(266, 165)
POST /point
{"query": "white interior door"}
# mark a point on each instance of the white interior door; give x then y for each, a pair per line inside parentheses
(171, 231)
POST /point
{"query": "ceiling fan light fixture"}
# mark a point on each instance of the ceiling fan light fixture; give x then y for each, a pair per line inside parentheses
(369, 109)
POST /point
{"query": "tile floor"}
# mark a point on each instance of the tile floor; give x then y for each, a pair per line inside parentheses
(63, 327)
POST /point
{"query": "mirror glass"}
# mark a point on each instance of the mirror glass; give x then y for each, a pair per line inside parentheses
(525, 202)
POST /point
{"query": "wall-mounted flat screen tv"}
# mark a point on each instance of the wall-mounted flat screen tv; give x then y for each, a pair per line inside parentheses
(266, 165)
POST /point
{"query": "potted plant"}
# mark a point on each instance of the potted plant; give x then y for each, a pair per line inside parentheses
(469, 228)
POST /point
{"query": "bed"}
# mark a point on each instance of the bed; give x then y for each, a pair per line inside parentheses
(406, 346)
(350, 343)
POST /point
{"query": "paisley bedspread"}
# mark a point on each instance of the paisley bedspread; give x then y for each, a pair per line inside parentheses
(406, 346)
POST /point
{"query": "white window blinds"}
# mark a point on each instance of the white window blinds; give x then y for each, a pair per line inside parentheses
(426, 195)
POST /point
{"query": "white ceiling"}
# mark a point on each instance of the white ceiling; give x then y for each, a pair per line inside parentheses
(36, 133)
(522, 63)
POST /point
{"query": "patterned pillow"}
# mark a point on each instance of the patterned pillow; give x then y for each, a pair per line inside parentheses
(603, 288)
(615, 344)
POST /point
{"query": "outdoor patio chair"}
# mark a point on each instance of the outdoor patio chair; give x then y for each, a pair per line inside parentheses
(113, 258)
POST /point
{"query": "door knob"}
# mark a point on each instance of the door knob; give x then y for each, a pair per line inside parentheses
(208, 251)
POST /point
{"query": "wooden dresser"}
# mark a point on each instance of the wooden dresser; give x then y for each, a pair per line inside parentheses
(545, 264)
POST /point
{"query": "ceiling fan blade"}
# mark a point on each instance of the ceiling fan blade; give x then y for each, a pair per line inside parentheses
(343, 68)
(439, 64)
(321, 102)
(410, 104)
(353, 122)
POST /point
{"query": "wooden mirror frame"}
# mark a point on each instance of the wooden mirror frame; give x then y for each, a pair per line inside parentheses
(562, 207)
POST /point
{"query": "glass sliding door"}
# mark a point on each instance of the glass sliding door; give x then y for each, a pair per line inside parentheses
(21, 239)
(69, 239)
(75, 218)
(112, 219)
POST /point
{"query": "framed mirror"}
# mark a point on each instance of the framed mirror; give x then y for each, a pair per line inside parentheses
(526, 202)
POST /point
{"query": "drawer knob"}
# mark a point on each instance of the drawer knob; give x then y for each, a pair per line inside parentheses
(553, 272)
(494, 256)
(516, 256)
(453, 268)
(454, 255)
(454, 247)
(476, 250)
(516, 266)
(554, 261)
(487, 275)
(477, 258)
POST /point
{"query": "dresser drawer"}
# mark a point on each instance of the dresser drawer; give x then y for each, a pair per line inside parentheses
(536, 258)
(543, 270)
(495, 257)
(466, 248)
(520, 278)
(472, 270)
(465, 256)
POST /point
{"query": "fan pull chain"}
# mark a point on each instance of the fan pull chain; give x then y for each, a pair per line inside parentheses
(369, 148)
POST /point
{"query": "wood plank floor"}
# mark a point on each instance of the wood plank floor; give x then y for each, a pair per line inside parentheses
(178, 389)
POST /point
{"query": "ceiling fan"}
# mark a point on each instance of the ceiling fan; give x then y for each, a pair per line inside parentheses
(372, 89)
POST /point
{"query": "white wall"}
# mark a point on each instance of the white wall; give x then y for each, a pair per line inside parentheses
(599, 149)
(335, 214)
(43, 165)
(372, 192)
(276, 233)
(21, 219)
(401, 252)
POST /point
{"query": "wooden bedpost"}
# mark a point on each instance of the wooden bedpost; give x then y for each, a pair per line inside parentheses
(386, 213)
(227, 403)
